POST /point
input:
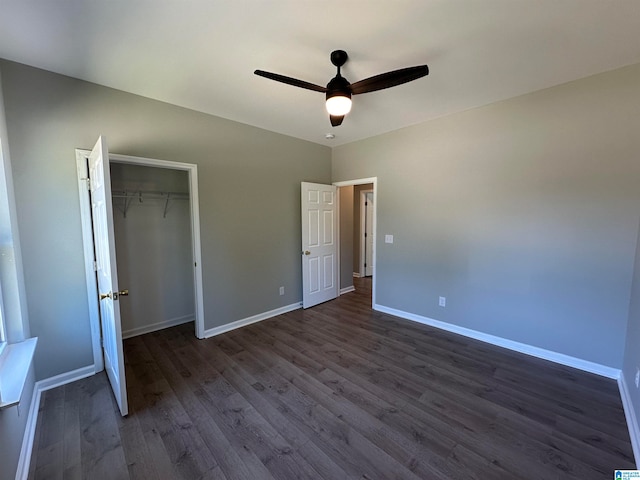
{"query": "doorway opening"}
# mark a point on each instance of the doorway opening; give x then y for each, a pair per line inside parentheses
(363, 229)
(357, 238)
(185, 199)
(152, 234)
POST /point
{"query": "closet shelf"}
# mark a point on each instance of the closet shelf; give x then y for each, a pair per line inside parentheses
(130, 197)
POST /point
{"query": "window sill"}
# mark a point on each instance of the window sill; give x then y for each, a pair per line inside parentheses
(14, 368)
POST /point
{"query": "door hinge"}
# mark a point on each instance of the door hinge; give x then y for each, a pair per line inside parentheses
(95, 266)
(365, 265)
(365, 234)
(87, 183)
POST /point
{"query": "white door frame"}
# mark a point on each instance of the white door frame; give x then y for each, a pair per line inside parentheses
(364, 181)
(87, 240)
(363, 241)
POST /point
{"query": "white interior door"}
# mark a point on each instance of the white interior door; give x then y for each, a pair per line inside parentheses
(106, 271)
(319, 243)
(369, 235)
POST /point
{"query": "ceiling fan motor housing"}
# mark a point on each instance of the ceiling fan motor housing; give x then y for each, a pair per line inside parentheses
(338, 87)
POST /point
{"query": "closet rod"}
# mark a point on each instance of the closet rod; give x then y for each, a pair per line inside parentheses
(129, 197)
(140, 194)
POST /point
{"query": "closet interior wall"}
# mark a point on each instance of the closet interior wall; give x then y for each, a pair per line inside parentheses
(153, 247)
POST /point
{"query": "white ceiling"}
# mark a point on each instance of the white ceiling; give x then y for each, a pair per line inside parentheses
(201, 54)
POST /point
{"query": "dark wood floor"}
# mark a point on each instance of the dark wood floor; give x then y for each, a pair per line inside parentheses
(334, 392)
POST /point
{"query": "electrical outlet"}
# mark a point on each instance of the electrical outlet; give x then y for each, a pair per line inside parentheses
(442, 301)
(638, 377)
(281, 290)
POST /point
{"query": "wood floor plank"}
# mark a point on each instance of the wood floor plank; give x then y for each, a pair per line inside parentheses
(149, 457)
(338, 391)
(394, 446)
(72, 453)
(244, 383)
(184, 445)
(329, 431)
(279, 453)
(51, 438)
(382, 404)
(374, 417)
(220, 404)
(420, 431)
(102, 454)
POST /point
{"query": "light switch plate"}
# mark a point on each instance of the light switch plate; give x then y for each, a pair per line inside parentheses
(388, 239)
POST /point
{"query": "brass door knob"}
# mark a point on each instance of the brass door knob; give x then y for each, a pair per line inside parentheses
(114, 295)
(123, 293)
(307, 252)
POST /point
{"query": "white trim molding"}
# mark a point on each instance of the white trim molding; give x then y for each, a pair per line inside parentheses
(172, 322)
(538, 352)
(212, 332)
(348, 289)
(632, 420)
(32, 420)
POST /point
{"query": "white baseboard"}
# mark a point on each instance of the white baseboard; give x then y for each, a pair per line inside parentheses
(632, 420)
(134, 332)
(32, 420)
(212, 332)
(348, 289)
(64, 378)
(556, 357)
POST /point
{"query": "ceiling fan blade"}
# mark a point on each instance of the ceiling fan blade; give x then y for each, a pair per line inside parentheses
(389, 79)
(291, 81)
(336, 120)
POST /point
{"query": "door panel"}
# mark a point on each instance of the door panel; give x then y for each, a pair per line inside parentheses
(329, 262)
(319, 243)
(106, 272)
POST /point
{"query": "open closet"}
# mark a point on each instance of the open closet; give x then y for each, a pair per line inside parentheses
(152, 227)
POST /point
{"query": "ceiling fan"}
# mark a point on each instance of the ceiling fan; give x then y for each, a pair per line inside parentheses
(339, 90)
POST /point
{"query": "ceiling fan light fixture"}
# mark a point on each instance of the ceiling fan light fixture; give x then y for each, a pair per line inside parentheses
(339, 104)
(338, 91)
(338, 96)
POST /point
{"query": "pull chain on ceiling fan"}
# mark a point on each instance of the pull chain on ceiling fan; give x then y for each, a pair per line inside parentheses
(339, 91)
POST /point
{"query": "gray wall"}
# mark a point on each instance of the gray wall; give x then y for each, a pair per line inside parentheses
(249, 186)
(154, 252)
(12, 420)
(346, 236)
(523, 213)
